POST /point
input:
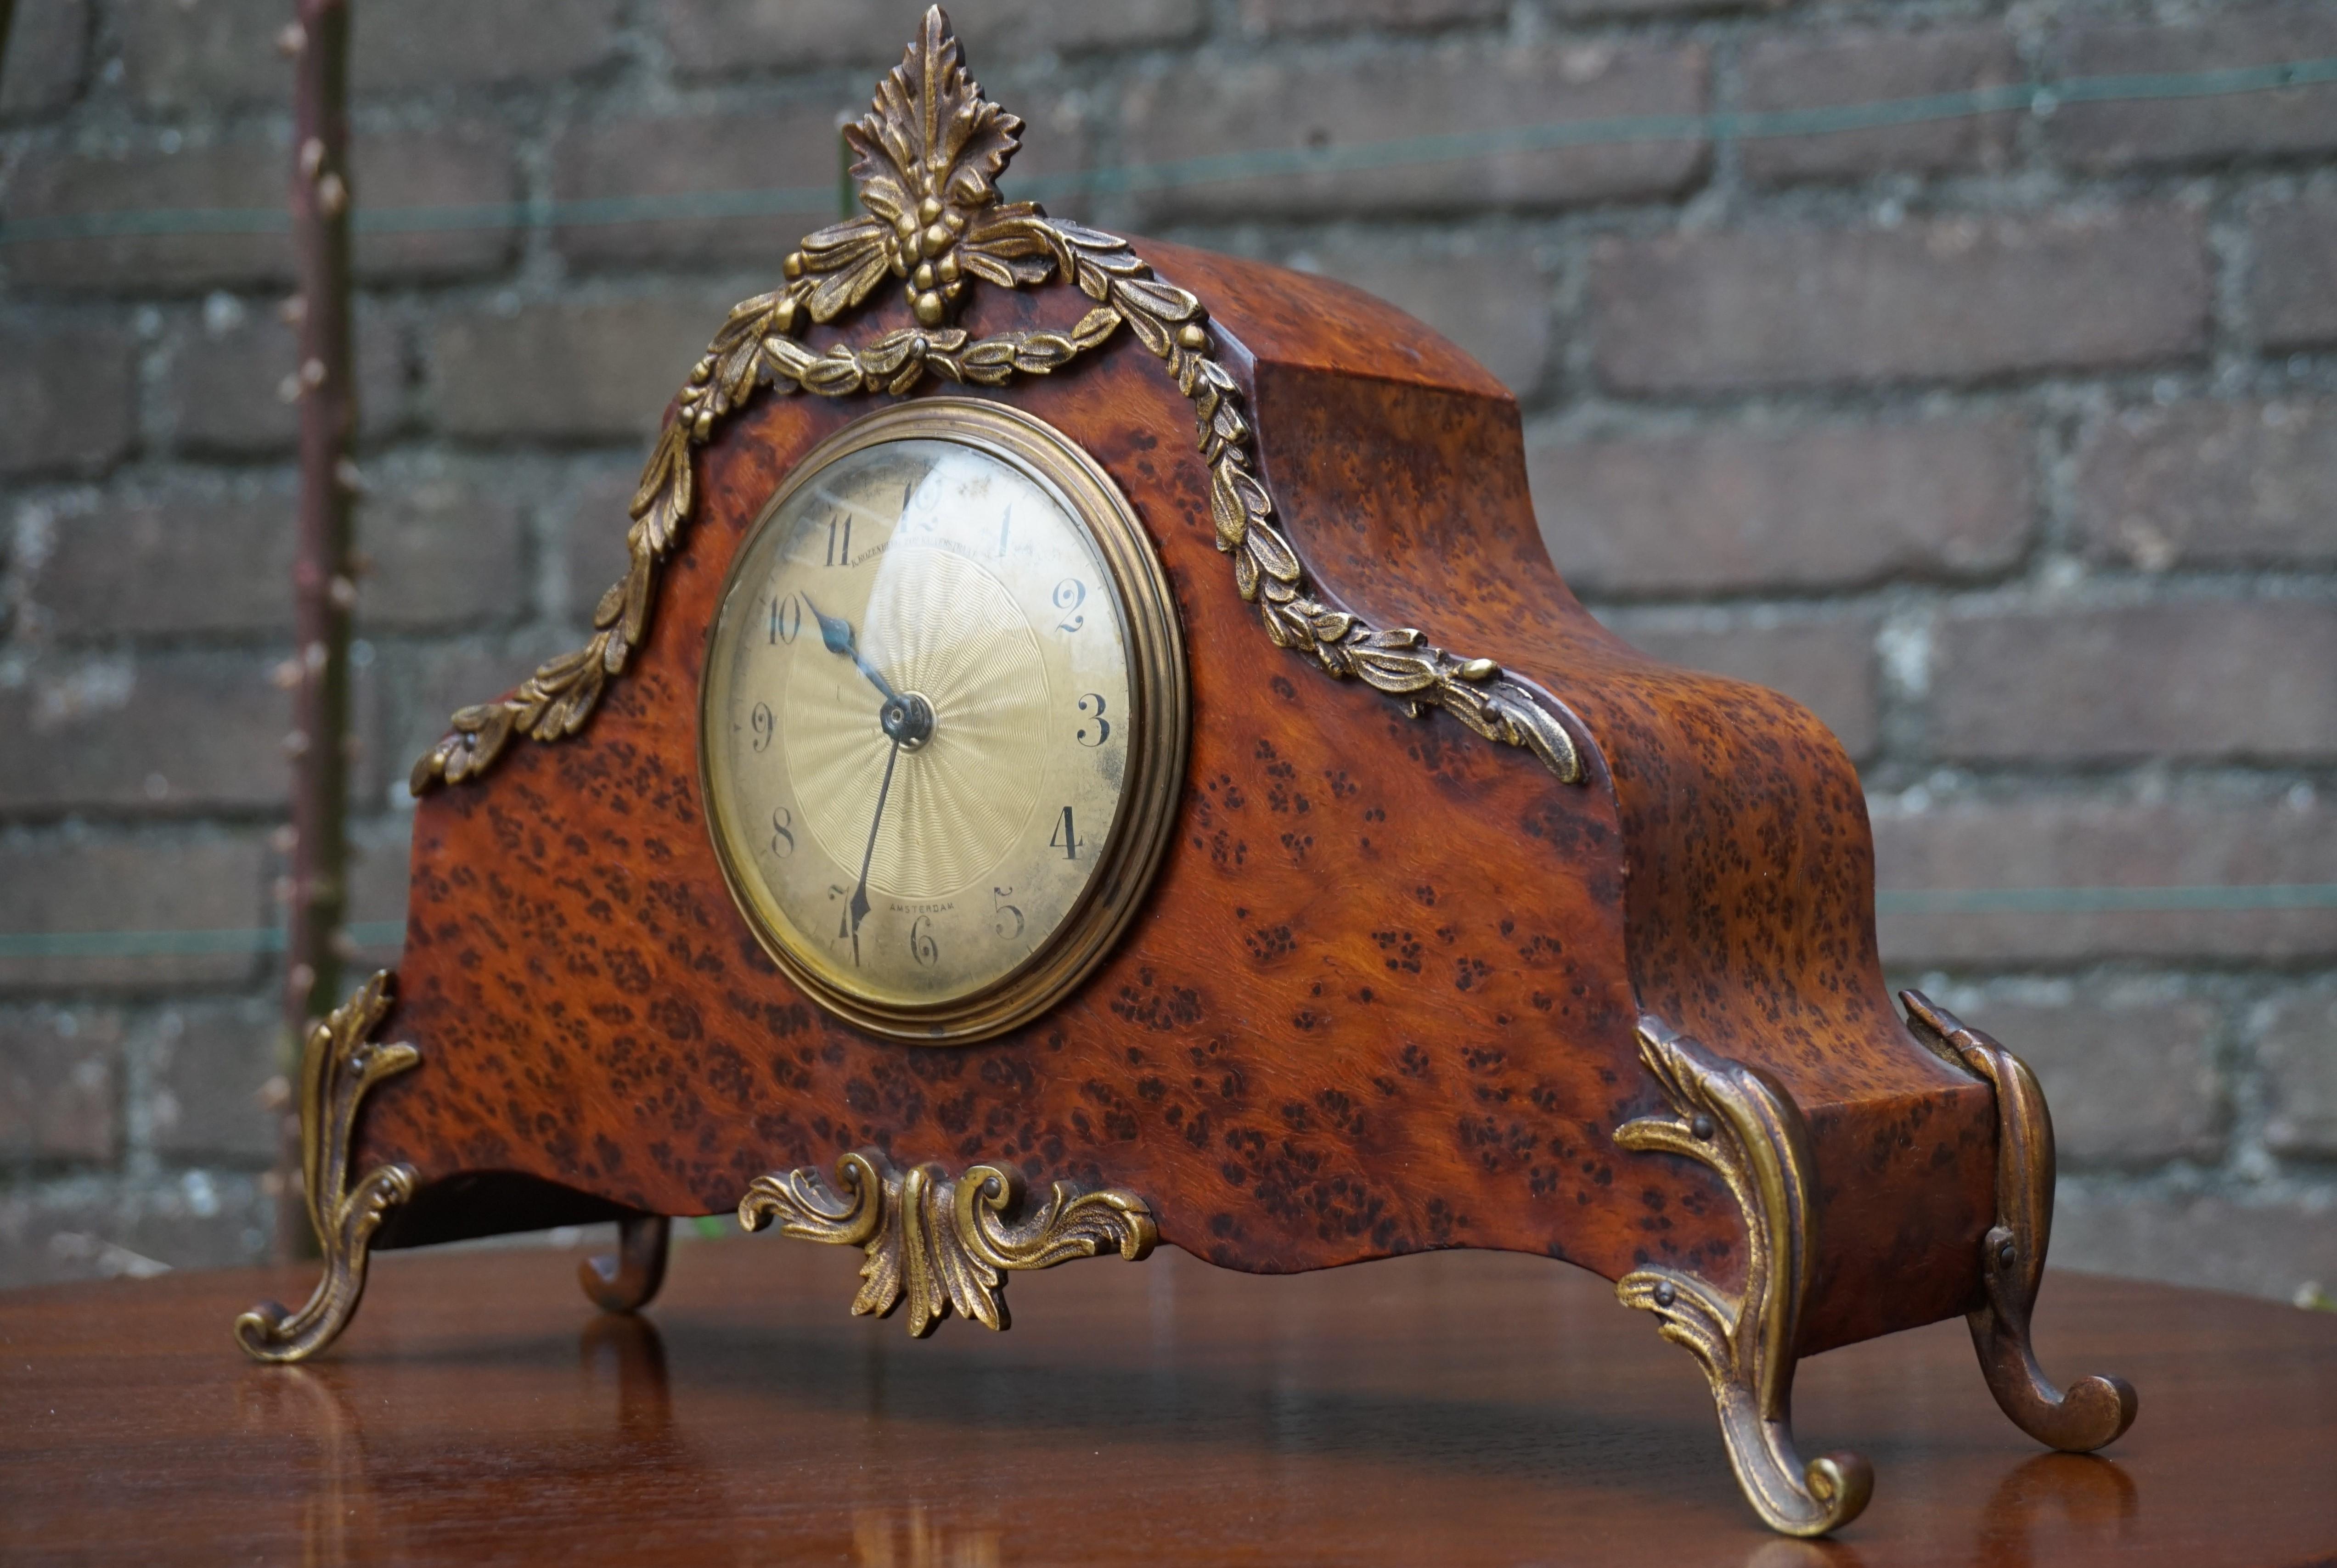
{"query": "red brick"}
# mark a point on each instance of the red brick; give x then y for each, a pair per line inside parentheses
(447, 548)
(1349, 102)
(380, 854)
(2293, 291)
(205, 556)
(2130, 1072)
(1831, 506)
(458, 166)
(47, 58)
(68, 397)
(1491, 299)
(2211, 485)
(371, 773)
(425, 45)
(1332, 15)
(2222, 678)
(792, 147)
(220, 55)
(60, 1070)
(1827, 666)
(209, 1062)
(222, 391)
(1956, 299)
(572, 370)
(461, 166)
(175, 732)
(2296, 1049)
(191, 558)
(155, 882)
(2267, 1247)
(1572, 10)
(1866, 65)
(57, 184)
(2049, 841)
(2159, 130)
(721, 37)
(215, 55)
(88, 1229)
(595, 514)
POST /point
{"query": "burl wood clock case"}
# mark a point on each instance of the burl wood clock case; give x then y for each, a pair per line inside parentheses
(1091, 751)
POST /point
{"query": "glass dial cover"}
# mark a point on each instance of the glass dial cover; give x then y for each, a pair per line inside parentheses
(928, 702)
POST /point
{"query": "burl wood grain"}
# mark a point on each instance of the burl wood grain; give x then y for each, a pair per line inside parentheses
(1381, 996)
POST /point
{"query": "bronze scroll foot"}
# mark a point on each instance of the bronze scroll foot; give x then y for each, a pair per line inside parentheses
(1734, 1119)
(627, 1281)
(2096, 1410)
(340, 1065)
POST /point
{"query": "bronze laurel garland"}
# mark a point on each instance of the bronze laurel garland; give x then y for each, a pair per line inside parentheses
(930, 151)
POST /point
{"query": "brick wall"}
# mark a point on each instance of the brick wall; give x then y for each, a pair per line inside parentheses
(2009, 444)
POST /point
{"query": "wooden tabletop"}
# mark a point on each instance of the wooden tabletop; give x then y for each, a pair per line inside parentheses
(1457, 1407)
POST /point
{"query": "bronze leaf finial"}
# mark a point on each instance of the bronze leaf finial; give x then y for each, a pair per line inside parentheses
(928, 155)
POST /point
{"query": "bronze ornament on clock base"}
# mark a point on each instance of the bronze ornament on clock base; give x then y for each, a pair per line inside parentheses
(1195, 795)
(1737, 1121)
(940, 1243)
(341, 1063)
(2096, 1410)
(1734, 1120)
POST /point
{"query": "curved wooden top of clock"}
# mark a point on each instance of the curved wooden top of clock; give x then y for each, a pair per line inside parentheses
(1381, 997)
(1750, 889)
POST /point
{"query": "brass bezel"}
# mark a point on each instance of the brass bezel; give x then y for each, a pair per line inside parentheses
(1158, 686)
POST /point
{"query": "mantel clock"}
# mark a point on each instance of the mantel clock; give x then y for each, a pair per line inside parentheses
(1089, 750)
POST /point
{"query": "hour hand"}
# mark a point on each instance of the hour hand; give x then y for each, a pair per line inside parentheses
(837, 633)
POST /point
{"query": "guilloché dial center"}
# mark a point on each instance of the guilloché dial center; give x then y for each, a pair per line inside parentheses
(925, 700)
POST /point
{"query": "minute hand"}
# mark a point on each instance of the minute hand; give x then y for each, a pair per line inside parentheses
(859, 905)
(837, 633)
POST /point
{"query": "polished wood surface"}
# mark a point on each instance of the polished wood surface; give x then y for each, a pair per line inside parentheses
(1382, 998)
(1451, 1408)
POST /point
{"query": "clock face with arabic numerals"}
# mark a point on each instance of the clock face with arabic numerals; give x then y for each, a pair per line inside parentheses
(943, 720)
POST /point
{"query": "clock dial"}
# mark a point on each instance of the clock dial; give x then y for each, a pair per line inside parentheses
(925, 704)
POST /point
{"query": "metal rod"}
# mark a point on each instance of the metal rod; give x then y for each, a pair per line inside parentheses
(324, 587)
(7, 11)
